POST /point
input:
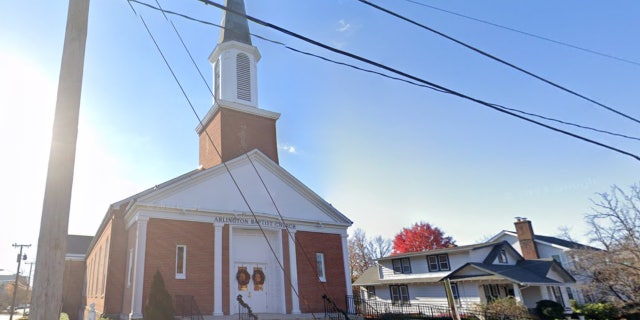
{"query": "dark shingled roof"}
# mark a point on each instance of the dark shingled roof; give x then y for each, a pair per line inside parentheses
(236, 27)
(78, 244)
(525, 271)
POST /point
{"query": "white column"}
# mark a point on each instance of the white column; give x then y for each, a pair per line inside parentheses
(217, 270)
(544, 292)
(293, 271)
(345, 261)
(517, 293)
(138, 272)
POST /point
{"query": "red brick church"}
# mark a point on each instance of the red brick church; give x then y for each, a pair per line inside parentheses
(238, 225)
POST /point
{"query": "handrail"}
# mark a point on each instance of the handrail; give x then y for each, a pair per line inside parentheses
(330, 308)
(243, 306)
(186, 306)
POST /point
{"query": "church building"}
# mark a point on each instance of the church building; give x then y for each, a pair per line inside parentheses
(238, 225)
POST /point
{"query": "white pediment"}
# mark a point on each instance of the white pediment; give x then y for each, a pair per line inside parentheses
(215, 190)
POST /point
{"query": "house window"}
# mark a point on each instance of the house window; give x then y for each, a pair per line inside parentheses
(570, 294)
(399, 294)
(502, 256)
(371, 292)
(401, 265)
(438, 262)
(320, 263)
(181, 262)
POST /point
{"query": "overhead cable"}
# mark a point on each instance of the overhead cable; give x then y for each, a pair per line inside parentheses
(529, 34)
(415, 78)
(164, 11)
(484, 53)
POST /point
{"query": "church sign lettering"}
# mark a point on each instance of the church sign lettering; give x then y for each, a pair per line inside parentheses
(252, 221)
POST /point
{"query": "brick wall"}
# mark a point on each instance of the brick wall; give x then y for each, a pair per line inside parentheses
(96, 257)
(235, 133)
(310, 287)
(72, 287)
(162, 238)
(117, 270)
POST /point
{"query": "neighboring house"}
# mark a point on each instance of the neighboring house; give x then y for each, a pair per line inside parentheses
(74, 275)
(547, 247)
(238, 225)
(478, 273)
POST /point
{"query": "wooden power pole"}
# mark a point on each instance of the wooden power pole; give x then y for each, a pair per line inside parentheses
(52, 242)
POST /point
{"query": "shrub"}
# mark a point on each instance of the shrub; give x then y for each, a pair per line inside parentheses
(159, 306)
(548, 309)
(630, 311)
(600, 311)
(505, 307)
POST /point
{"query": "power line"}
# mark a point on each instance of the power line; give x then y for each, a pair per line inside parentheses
(415, 78)
(532, 35)
(280, 264)
(290, 235)
(369, 71)
(486, 54)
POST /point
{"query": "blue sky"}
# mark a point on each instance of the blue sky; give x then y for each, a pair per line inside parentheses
(385, 153)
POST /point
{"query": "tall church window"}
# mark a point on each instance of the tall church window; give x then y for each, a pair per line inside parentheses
(181, 262)
(104, 267)
(320, 262)
(130, 270)
(243, 73)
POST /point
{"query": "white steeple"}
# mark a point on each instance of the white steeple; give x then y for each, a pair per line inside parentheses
(234, 60)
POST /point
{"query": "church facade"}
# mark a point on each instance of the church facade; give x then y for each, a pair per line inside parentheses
(238, 225)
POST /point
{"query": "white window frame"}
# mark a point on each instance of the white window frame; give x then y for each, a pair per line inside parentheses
(183, 274)
(401, 265)
(502, 256)
(438, 262)
(399, 294)
(320, 264)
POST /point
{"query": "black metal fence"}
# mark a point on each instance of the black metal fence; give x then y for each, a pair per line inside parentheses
(379, 309)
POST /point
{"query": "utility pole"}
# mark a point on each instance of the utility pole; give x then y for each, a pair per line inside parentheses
(52, 241)
(15, 286)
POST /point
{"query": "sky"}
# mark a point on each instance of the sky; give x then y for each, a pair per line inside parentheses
(385, 153)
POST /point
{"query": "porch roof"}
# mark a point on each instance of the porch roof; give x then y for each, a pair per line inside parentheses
(527, 272)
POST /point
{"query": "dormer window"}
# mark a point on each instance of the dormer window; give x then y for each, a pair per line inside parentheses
(438, 262)
(502, 257)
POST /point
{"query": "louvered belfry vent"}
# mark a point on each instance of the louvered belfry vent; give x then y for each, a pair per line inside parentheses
(243, 72)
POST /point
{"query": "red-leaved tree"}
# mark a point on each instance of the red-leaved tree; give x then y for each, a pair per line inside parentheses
(421, 236)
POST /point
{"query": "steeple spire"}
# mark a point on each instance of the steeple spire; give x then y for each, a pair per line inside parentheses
(235, 27)
(235, 123)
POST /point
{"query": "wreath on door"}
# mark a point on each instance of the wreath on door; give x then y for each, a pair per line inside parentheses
(243, 277)
(258, 278)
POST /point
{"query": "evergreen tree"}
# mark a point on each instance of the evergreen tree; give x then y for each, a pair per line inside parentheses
(159, 306)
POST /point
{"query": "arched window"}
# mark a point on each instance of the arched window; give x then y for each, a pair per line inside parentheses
(243, 73)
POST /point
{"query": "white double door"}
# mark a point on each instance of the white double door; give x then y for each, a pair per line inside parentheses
(254, 274)
(254, 289)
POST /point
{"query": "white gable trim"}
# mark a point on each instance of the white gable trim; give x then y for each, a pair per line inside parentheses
(267, 221)
(257, 157)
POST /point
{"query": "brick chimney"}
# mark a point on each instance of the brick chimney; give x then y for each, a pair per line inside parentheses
(525, 237)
